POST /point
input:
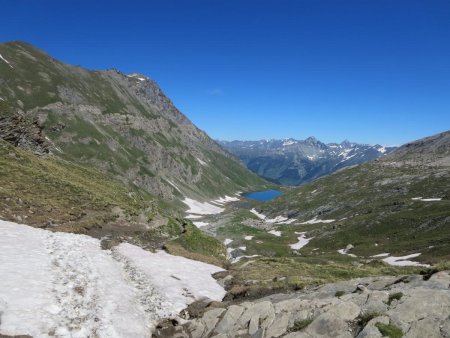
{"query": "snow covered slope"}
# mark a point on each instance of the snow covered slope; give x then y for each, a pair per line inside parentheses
(65, 285)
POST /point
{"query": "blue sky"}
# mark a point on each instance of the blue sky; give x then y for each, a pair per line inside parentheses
(368, 71)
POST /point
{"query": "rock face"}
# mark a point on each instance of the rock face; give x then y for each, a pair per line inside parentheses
(118, 123)
(355, 308)
(21, 131)
(293, 162)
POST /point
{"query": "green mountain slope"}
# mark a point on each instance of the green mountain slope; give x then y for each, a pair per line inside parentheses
(397, 204)
(120, 124)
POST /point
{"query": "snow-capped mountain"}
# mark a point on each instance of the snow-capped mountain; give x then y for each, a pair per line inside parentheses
(293, 162)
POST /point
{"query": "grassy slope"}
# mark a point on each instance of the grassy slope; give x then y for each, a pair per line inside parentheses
(373, 206)
(121, 147)
(48, 190)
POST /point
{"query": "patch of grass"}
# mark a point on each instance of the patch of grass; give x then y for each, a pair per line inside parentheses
(389, 330)
(301, 324)
(194, 243)
(364, 318)
(394, 296)
(302, 271)
(47, 190)
(339, 293)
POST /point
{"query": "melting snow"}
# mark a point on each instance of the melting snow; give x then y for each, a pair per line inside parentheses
(243, 248)
(275, 233)
(380, 255)
(248, 238)
(173, 185)
(226, 199)
(426, 199)
(276, 220)
(404, 260)
(201, 208)
(302, 241)
(178, 279)
(201, 162)
(345, 252)
(259, 215)
(193, 216)
(227, 241)
(65, 283)
(315, 220)
(1, 57)
(200, 224)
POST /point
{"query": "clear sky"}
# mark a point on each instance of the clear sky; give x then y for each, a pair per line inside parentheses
(369, 71)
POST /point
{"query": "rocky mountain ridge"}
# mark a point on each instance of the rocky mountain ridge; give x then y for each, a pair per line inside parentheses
(294, 162)
(121, 124)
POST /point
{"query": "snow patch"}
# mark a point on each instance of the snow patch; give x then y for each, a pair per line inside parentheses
(179, 280)
(190, 216)
(201, 208)
(1, 57)
(201, 162)
(315, 220)
(380, 255)
(227, 241)
(248, 238)
(345, 252)
(276, 220)
(404, 260)
(173, 185)
(259, 215)
(200, 224)
(65, 283)
(426, 199)
(226, 199)
(275, 233)
(302, 241)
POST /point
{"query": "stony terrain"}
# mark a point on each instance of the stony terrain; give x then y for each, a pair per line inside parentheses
(403, 306)
(293, 162)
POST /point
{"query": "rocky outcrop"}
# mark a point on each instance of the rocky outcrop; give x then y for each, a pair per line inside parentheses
(21, 131)
(361, 308)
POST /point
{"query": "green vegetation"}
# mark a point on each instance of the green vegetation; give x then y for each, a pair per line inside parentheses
(195, 244)
(294, 273)
(374, 210)
(394, 296)
(97, 118)
(50, 191)
(301, 324)
(389, 330)
(339, 293)
(364, 318)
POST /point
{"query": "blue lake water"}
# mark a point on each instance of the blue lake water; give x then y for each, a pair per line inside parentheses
(263, 196)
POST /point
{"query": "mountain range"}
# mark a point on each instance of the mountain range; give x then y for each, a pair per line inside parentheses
(294, 162)
(120, 124)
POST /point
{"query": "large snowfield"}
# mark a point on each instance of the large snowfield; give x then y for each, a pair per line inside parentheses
(65, 285)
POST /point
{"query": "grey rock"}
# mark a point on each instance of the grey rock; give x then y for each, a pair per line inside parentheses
(210, 319)
(328, 324)
(228, 324)
(370, 330)
(279, 326)
(427, 327)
